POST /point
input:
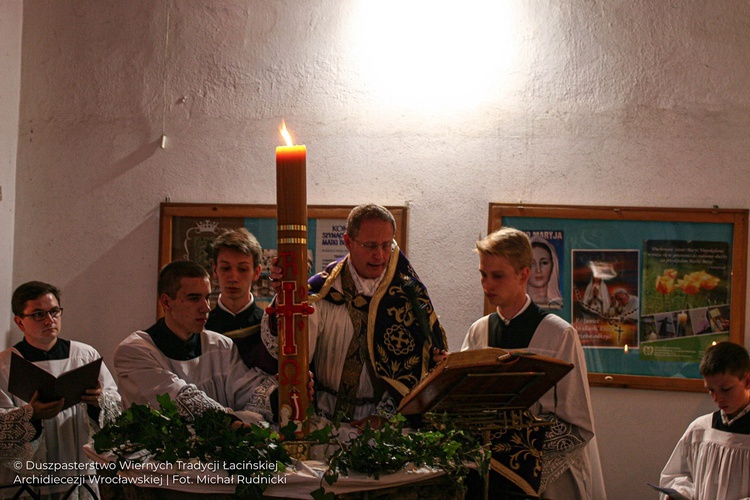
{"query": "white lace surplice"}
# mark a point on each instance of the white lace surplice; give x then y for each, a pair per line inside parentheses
(62, 437)
(709, 463)
(216, 379)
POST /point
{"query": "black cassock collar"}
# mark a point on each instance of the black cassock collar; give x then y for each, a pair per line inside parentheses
(517, 332)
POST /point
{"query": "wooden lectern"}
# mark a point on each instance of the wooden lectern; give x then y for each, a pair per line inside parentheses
(489, 391)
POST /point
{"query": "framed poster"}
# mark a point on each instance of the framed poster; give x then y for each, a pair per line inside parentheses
(187, 231)
(647, 289)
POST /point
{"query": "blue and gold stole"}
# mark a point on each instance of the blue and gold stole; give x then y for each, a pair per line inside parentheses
(397, 350)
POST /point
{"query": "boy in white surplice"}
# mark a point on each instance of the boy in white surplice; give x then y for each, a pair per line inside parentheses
(712, 459)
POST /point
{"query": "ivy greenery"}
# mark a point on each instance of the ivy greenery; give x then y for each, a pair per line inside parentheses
(168, 436)
(388, 449)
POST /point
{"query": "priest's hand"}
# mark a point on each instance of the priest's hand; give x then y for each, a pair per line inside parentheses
(277, 273)
(91, 396)
(237, 424)
(311, 387)
(43, 411)
(439, 355)
(375, 421)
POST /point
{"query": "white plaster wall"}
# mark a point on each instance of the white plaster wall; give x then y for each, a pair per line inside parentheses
(11, 16)
(633, 103)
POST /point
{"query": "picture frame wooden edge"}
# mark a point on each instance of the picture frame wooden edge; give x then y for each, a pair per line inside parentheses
(169, 210)
(737, 217)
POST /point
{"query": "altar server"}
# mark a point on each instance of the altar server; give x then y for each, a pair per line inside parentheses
(198, 369)
(236, 265)
(36, 437)
(571, 467)
(712, 459)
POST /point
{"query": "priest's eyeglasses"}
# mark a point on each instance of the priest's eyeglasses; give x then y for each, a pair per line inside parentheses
(371, 246)
(53, 313)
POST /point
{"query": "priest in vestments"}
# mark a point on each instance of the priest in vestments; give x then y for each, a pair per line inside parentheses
(366, 346)
(570, 458)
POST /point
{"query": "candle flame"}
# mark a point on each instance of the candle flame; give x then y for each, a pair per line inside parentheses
(285, 134)
(626, 348)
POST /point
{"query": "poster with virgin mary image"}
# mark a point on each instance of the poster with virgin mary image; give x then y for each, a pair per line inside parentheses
(606, 297)
(545, 278)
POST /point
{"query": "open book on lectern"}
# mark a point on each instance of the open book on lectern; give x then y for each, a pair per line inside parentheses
(474, 380)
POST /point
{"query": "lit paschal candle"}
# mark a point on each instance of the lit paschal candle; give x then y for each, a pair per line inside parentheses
(292, 308)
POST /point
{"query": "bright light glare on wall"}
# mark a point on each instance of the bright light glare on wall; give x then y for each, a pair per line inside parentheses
(433, 55)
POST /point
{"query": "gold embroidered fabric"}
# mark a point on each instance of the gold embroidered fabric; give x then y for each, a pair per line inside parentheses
(356, 354)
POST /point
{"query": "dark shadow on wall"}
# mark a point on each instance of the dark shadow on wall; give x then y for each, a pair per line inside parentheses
(116, 294)
(103, 176)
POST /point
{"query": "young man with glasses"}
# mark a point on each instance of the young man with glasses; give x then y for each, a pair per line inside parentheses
(42, 432)
(366, 347)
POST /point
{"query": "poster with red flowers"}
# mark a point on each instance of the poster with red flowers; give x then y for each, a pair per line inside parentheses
(686, 293)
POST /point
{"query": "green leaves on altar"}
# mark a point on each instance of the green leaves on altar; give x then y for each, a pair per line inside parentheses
(170, 437)
(142, 433)
(390, 448)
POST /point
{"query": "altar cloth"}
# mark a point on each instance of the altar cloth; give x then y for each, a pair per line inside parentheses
(298, 481)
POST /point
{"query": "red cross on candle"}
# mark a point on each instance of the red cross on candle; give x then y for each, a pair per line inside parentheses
(288, 307)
